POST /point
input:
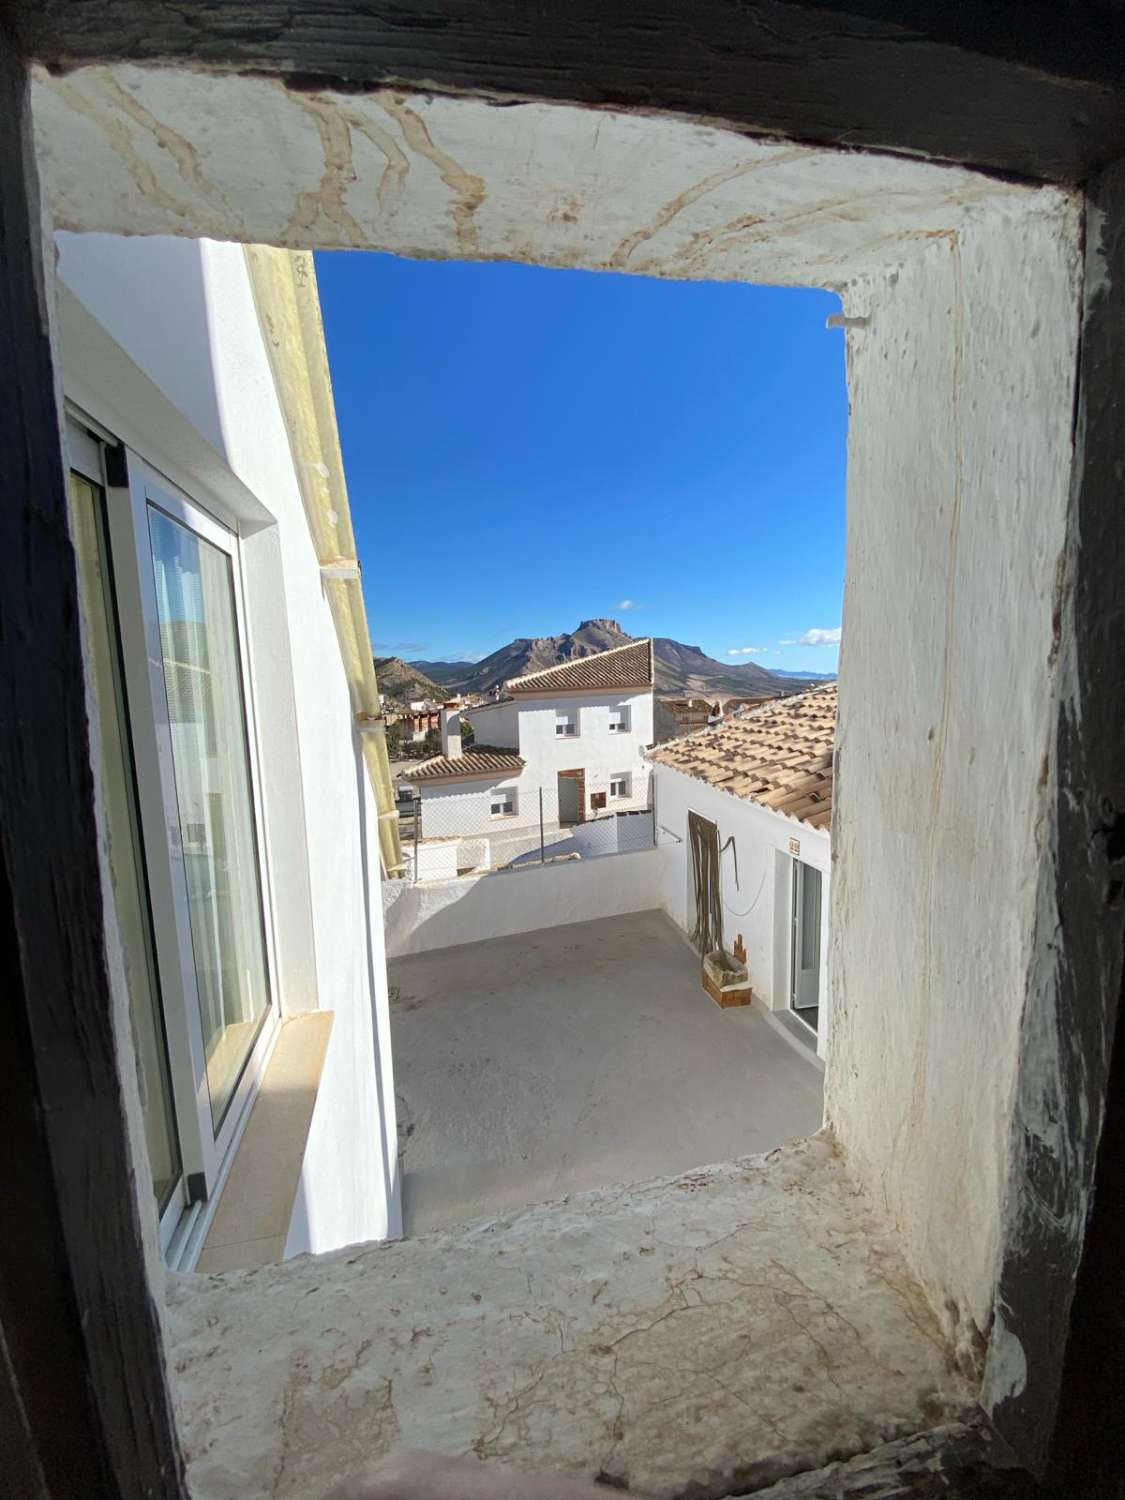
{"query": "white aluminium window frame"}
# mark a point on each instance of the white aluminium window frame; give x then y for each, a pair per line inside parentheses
(204, 1149)
(85, 457)
(503, 801)
(619, 720)
(621, 784)
(566, 724)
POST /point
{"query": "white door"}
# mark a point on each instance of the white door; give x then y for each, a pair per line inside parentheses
(805, 988)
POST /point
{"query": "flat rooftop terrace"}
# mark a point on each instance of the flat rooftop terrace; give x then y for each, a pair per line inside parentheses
(576, 1057)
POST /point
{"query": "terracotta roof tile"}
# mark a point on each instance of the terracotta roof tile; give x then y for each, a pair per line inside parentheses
(480, 760)
(624, 667)
(779, 756)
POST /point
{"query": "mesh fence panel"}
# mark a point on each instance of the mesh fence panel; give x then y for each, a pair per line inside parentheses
(460, 828)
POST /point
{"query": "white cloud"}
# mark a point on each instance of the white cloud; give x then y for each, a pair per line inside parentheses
(743, 650)
(626, 604)
(791, 642)
(821, 637)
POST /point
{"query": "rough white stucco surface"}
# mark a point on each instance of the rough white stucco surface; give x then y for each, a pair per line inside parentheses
(445, 913)
(958, 470)
(696, 1335)
(168, 151)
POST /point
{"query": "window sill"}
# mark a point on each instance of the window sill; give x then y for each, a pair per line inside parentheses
(251, 1219)
(665, 1332)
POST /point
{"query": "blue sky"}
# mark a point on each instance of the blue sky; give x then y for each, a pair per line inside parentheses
(528, 448)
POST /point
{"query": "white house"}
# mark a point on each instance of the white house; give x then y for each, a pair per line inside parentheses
(233, 701)
(754, 793)
(563, 749)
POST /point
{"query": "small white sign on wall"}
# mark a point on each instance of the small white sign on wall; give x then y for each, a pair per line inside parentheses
(794, 846)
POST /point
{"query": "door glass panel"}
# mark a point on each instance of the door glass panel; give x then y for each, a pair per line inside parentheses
(810, 918)
(216, 832)
(118, 785)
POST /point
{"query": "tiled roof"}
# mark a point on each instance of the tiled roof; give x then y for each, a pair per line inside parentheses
(779, 756)
(480, 760)
(624, 667)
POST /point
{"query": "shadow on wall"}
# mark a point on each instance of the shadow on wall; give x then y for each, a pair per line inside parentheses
(341, 1076)
(388, 1148)
(303, 1232)
(447, 913)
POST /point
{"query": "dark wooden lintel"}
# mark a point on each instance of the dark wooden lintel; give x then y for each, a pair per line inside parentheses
(83, 1370)
(1067, 1191)
(1009, 87)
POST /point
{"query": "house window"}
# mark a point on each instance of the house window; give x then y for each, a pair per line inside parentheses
(619, 721)
(620, 784)
(503, 802)
(566, 725)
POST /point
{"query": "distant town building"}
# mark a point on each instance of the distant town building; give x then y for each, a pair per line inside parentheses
(564, 746)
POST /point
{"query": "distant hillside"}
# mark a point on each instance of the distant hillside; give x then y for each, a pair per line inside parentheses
(679, 668)
(445, 673)
(403, 680)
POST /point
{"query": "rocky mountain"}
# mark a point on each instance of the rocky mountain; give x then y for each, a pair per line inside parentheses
(402, 681)
(679, 668)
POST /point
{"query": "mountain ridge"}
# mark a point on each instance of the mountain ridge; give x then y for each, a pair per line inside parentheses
(680, 668)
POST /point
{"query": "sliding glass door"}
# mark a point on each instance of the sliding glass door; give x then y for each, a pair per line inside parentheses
(189, 690)
(116, 774)
(213, 830)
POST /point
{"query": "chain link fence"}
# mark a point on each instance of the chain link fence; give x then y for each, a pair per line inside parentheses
(462, 828)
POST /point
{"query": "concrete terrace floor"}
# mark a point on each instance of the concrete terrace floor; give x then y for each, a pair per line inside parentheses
(578, 1057)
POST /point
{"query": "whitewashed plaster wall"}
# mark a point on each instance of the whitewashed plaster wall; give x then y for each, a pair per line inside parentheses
(613, 835)
(958, 460)
(593, 749)
(529, 725)
(444, 914)
(125, 283)
(958, 472)
(495, 724)
(169, 150)
(348, 1187)
(451, 808)
(758, 906)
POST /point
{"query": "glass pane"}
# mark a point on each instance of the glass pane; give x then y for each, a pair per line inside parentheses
(810, 918)
(118, 785)
(203, 681)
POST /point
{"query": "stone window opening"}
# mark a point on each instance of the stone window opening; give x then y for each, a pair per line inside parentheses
(927, 261)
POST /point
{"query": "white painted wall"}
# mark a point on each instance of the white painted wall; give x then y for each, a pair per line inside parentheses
(758, 907)
(419, 918)
(221, 383)
(958, 470)
(617, 833)
(495, 724)
(451, 808)
(456, 807)
(593, 749)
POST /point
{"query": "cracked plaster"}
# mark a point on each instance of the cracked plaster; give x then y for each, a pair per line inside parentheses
(133, 150)
(689, 1336)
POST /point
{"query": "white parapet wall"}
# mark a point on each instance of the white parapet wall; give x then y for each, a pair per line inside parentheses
(620, 834)
(442, 914)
